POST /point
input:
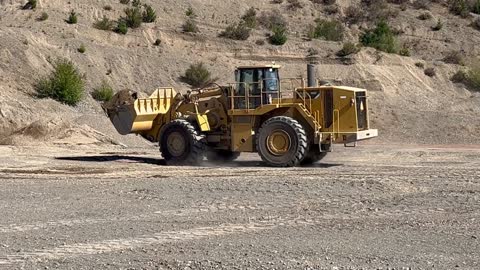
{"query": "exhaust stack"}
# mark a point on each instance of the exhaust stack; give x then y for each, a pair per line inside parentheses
(311, 80)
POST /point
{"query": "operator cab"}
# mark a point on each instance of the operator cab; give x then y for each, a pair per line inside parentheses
(255, 86)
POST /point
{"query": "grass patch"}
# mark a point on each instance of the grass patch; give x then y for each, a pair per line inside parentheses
(348, 48)
(250, 18)
(459, 7)
(237, 31)
(65, 84)
(72, 17)
(133, 17)
(272, 20)
(149, 14)
(329, 30)
(122, 27)
(470, 78)
(279, 36)
(103, 93)
(104, 24)
(438, 26)
(190, 26)
(454, 57)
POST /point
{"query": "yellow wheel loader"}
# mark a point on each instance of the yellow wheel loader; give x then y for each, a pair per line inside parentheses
(285, 121)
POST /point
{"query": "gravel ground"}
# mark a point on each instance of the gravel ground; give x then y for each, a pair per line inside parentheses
(372, 207)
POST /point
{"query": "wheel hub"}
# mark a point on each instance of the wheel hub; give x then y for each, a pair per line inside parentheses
(279, 142)
(176, 144)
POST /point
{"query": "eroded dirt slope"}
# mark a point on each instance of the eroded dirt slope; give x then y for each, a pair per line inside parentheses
(407, 105)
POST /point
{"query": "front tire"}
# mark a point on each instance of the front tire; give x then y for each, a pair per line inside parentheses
(282, 142)
(181, 143)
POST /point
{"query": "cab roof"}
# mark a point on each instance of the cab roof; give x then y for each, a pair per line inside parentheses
(259, 66)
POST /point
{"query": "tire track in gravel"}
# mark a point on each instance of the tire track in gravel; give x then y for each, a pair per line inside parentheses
(217, 207)
(107, 246)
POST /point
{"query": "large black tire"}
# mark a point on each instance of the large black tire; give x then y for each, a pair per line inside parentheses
(222, 155)
(282, 142)
(181, 143)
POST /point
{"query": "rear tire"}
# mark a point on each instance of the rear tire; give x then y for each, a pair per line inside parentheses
(282, 142)
(181, 143)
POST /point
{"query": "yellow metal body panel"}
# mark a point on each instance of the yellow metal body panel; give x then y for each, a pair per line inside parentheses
(202, 120)
(242, 133)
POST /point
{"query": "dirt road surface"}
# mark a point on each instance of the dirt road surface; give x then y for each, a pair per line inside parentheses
(375, 206)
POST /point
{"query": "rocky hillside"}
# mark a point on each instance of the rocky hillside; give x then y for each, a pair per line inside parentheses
(408, 106)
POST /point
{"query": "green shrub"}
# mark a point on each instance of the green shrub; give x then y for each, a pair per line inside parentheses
(82, 49)
(460, 77)
(31, 4)
(149, 14)
(430, 72)
(237, 31)
(43, 17)
(197, 75)
(133, 17)
(454, 57)
(459, 7)
(380, 38)
(72, 18)
(125, 2)
(425, 16)
(279, 36)
(475, 7)
(348, 49)
(122, 27)
(404, 51)
(272, 20)
(474, 78)
(107, 7)
(190, 26)
(190, 13)
(470, 78)
(104, 24)
(157, 42)
(250, 18)
(103, 93)
(277, 1)
(329, 30)
(65, 84)
(438, 26)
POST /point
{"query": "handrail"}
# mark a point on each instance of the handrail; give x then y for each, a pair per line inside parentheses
(248, 95)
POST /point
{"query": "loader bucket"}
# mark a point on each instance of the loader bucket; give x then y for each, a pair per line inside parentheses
(130, 114)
